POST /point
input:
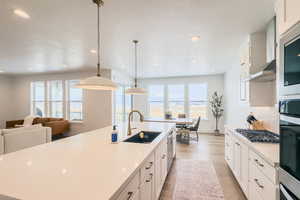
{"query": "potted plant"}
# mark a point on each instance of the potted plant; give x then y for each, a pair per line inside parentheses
(216, 106)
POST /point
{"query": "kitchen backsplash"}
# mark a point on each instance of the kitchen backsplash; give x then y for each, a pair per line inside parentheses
(269, 116)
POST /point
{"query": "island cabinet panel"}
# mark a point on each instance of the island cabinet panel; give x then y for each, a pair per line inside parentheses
(161, 166)
(147, 190)
(131, 191)
(149, 180)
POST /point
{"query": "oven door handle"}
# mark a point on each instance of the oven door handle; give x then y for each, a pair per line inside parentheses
(285, 193)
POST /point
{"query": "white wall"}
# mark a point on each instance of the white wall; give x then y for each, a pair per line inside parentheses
(214, 83)
(97, 107)
(237, 111)
(6, 97)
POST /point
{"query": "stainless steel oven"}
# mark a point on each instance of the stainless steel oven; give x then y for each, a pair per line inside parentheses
(289, 172)
(289, 70)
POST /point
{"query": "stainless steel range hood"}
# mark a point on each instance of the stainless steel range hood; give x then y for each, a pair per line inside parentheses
(267, 74)
(268, 71)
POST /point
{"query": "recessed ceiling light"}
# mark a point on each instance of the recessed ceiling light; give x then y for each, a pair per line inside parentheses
(195, 38)
(298, 55)
(21, 13)
(93, 51)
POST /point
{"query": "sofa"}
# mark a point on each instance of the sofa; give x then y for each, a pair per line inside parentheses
(58, 125)
(16, 139)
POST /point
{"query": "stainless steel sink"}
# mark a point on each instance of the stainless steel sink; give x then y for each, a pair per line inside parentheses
(143, 137)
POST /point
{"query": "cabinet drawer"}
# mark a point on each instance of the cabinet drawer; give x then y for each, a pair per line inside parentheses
(131, 189)
(269, 171)
(147, 168)
(261, 184)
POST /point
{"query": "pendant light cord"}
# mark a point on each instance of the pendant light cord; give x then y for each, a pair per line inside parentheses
(98, 35)
(135, 67)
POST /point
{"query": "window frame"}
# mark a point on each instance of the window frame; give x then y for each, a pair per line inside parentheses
(186, 101)
(163, 99)
(48, 101)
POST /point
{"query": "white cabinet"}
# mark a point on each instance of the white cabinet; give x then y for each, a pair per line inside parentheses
(161, 166)
(259, 183)
(147, 183)
(131, 191)
(257, 178)
(287, 12)
(147, 190)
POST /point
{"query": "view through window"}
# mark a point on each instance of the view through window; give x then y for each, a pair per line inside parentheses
(156, 100)
(57, 98)
(176, 99)
(189, 99)
(122, 105)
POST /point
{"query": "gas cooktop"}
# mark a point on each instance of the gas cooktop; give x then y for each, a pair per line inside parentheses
(259, 136)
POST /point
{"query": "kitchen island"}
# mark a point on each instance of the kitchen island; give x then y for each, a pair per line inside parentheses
(88, 166)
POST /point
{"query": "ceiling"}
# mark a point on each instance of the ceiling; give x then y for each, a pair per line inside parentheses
(60, 34)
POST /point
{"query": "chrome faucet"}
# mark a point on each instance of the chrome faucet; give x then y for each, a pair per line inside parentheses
(129, 116)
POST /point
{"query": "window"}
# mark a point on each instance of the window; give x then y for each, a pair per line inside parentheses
(156, 100)
(176, 99)
(75, 96)
(189, 99)
(197, 100)
(128, 104)
(38, 97)
(57, 98)
(122, 105)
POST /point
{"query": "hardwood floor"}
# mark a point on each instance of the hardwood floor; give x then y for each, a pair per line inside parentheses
(210, 148)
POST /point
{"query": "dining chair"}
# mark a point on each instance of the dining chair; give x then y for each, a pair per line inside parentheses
(181, 116)
(195, 127)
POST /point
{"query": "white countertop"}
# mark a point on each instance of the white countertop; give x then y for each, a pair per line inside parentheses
(85, 166)
(268, 151)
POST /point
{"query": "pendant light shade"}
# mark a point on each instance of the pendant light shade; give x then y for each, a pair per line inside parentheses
(136, 90)
(97, 82)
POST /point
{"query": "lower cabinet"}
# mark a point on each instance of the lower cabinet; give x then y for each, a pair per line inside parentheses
(147, 183)
(256, 177)
(161, 167)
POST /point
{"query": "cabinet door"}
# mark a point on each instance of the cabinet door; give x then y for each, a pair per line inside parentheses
(287, 12)
(174, 144)
(136, 196)
(164, 162)
(237, 159)
(158, 171)
(292, 14)
(146, 190)
(244, 169)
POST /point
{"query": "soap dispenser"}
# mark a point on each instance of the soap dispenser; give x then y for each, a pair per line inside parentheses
(114, 135)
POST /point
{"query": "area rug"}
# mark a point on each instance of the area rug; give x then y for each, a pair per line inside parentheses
(196, 180)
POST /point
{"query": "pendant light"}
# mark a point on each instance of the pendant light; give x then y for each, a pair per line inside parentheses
(136, 90)
(97, 82)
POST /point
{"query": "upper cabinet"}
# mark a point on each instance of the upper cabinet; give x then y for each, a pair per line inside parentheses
(288, 14)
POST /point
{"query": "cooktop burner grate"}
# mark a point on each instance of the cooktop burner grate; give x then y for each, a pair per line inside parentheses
(259, 136)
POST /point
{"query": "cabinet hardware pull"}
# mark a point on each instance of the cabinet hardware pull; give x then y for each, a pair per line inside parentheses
(259, 185)
(151, 163)
(151, 176)
(164, 156)
(260, 164)
(129, 195)
(237, 143)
